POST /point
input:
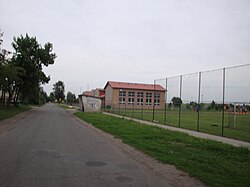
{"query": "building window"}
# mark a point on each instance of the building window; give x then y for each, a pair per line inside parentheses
(131, 101)
(131, 94)
(149, 95)
(122, 97)
(149, 98)
(122, 93)
(157, 99)
(122, 100)
(148, 102)
(139, 101)
(157, 102)
(140, 94)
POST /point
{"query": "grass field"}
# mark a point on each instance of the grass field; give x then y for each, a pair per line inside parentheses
(210, 121)
(214, 163)
(12, 111)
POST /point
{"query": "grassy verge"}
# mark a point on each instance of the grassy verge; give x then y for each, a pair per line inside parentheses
(67, 106)
(12, 111)
(210, 121)
(214, 163)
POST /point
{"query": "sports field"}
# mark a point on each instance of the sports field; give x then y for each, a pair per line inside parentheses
(209, 121)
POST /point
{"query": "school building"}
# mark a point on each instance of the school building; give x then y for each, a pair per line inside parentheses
(134, 95)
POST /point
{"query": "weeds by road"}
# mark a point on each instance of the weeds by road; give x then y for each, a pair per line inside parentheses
(12, 111)
(214, 163)
(65, 106)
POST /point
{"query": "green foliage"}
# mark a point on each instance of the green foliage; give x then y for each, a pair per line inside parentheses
(30, 57)
(8, 76)
(59, 89)
(43, 97)
(71, 98)
(12, 111)
(176, 101)
(215, 106)
(52, 97)
(21, 75)
(214, 163)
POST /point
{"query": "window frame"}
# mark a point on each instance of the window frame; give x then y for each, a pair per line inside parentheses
(140, 101)
(122, 100)
(122, 93)
(131, 101)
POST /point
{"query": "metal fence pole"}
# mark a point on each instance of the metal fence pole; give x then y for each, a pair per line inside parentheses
(180, 103)
(125, 110)
(166, 98)
(223, 102)
(142, 112)
(133, 111)
(199, 100)
(153, 102)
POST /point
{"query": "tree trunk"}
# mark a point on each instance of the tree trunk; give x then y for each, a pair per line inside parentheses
(16, 97)
(3, 99)
(10, 97)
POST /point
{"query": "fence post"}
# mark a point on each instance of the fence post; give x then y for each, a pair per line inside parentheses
(141, 111)
(133, 110)
(166, 98)
(125, 110)
(119, 109)
(223, 102)
(180, 103)
(199, 101)
(153, 102)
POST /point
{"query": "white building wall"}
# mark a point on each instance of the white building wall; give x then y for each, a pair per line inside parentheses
(108, 95)
(90, 104)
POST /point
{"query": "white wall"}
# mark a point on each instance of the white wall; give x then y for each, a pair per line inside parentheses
(90, 104)
(108, 95)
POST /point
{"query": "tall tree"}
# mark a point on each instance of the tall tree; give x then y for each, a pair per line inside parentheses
(59, 89)
(43, 97)
(176, 101)
(7, 75)
(2, 76)
(30, 57)
(52, 97)
(71, 97)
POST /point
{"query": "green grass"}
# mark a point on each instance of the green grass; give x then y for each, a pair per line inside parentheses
(63, 106)
(12, 111)
(210, 121)
(214, 163)
(66, 106)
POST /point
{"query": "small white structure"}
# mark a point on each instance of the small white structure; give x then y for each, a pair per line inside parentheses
(90, 103)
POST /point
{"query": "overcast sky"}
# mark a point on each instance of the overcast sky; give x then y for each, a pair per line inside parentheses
(131, 40)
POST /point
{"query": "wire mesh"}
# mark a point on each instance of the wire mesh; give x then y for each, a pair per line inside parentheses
(215, 102)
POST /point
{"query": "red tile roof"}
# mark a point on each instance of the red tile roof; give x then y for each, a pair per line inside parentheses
(134, 86)
(92, 93)
(87, 93)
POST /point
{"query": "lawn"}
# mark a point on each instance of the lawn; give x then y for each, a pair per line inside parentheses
(12, 111)
(65, 106)
(214, 163)
(210, 121)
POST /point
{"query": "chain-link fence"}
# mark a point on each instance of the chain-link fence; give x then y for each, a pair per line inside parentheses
(215, 102)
